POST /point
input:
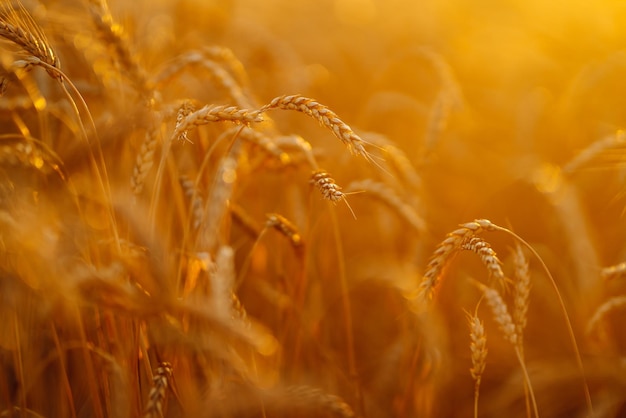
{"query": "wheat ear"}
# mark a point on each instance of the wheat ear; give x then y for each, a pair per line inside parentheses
(521, 291)
(112, 34)
(215, 113)
(328, 188)
(615, 272)
(195, 200)
(264, 142)
(505, 323)
(478, 347)
(244, 220)
(446, 250)
(587, 155)
(158, 392)
(568, 323)
(617, 302)
(324, 116)
(17, 26)
(145, 159)
(285, 227)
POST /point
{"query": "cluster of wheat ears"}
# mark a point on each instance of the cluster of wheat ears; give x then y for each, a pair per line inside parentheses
(173, 245)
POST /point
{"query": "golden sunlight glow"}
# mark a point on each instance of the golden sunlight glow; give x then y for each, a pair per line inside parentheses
(384, 209)
(355, 12)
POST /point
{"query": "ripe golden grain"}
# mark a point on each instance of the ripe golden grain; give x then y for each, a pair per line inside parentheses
(158, 391)
(324, 116)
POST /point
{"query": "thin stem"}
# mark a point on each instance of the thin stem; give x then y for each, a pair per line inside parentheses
(527, 381)
(570, 329)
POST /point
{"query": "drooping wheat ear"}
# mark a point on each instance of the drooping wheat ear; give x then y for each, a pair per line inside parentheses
(387, 195)
(227, 83)
(216, 71)
(594, 150)
(145, 159)
(617, 271)
(285, 227)
(325, 117)
(186, 108)
(214, 113)
(196, 201)
(112, 34)
(230, 60)
(220, 62)
(478, 347)
(17, 26)
(266, 143)
(446, 250)
(307, 397)
(487, 255)
(158, 392)
(616, 302)
(521, 293)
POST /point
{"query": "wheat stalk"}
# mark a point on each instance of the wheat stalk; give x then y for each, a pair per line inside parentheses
(244, 220)
(324, 116)
(158, 392)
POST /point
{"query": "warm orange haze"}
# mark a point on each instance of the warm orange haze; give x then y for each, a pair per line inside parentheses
(335, 208)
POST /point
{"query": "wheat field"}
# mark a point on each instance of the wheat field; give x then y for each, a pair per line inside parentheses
(334, 208)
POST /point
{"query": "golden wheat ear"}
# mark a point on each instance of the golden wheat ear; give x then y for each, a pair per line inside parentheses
(158, 391)
(478, 347)
(18, 27)
(329, 189)
(325, 117)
